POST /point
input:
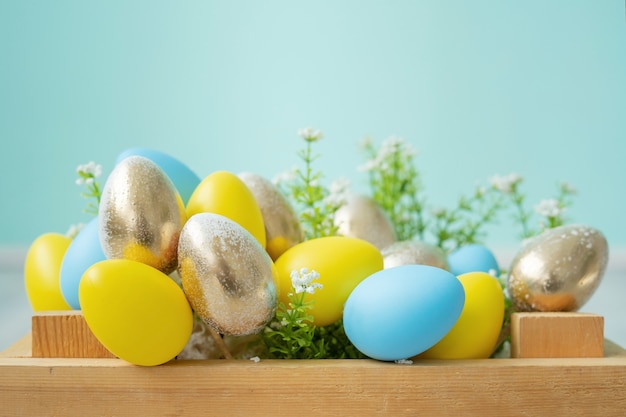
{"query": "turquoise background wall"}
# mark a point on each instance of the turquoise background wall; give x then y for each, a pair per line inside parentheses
(478, 87)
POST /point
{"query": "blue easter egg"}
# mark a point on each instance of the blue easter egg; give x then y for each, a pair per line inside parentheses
(472, 258)
(84, 251)
(400, 312)
(184, 179)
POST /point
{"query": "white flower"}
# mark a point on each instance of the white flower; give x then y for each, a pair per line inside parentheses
(339, 186)
(338, 192)
(283, 177)
(286, 176)
(568, 188)
(505, 184)
(365, 143)
(438, 211)
(392, 143)
(255, 359)
(396, 145)
(392, 148)
(370, 165)
(335, 200)
(549, 208)
(74, 230)
(90, 169)
(309, 134)
(302, 281)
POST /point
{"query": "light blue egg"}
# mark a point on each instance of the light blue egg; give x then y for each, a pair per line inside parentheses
(472, 258)
(84, 251)
(400, 312)
(184, 179)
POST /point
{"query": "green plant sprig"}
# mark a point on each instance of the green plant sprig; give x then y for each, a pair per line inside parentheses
(396, 186)
(550, 210)
(87, 176)
(315, 203)
(465, 223)
(291, 334)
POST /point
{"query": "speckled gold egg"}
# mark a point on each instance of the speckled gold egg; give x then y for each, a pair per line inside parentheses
(228, 277)
(361, 217)
(141, 215)
(558, 270)
(282, 226)
(414, 252)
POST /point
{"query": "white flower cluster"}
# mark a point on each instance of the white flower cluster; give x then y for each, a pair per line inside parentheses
(302, 281)
(568, 188)
(87, 173)
(285, 177)
(505, 184)
(337, 193)
(74, 229)
(549, 208)
(393, 145)
(309, 134)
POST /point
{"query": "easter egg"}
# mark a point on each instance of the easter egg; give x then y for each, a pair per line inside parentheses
(558, 270)
(475, 334)
(137, 312)
(184, 179)
(473, 258)
(84, 251)
(342, 262)
(400, 312)
(227, 276)
(141, 215)
(282, 225)
(414, 252)
(42, 268)
(361, 217)
(226, 194)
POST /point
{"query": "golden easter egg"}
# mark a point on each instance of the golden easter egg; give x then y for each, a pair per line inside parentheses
(361, 217)
(558, 270)
(226, 274)
(414, 252)
(141, 215)
(282, 226)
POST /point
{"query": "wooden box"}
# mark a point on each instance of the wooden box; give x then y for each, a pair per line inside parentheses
(485, 387)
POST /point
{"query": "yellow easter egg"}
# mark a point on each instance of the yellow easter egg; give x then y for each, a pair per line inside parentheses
(226, 194)
(136, 311)
(476, 332)
(341, 262)
(42, 270)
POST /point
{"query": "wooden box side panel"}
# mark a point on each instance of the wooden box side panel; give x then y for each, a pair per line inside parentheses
(64, 334)
(85, 387)
(557, 335)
